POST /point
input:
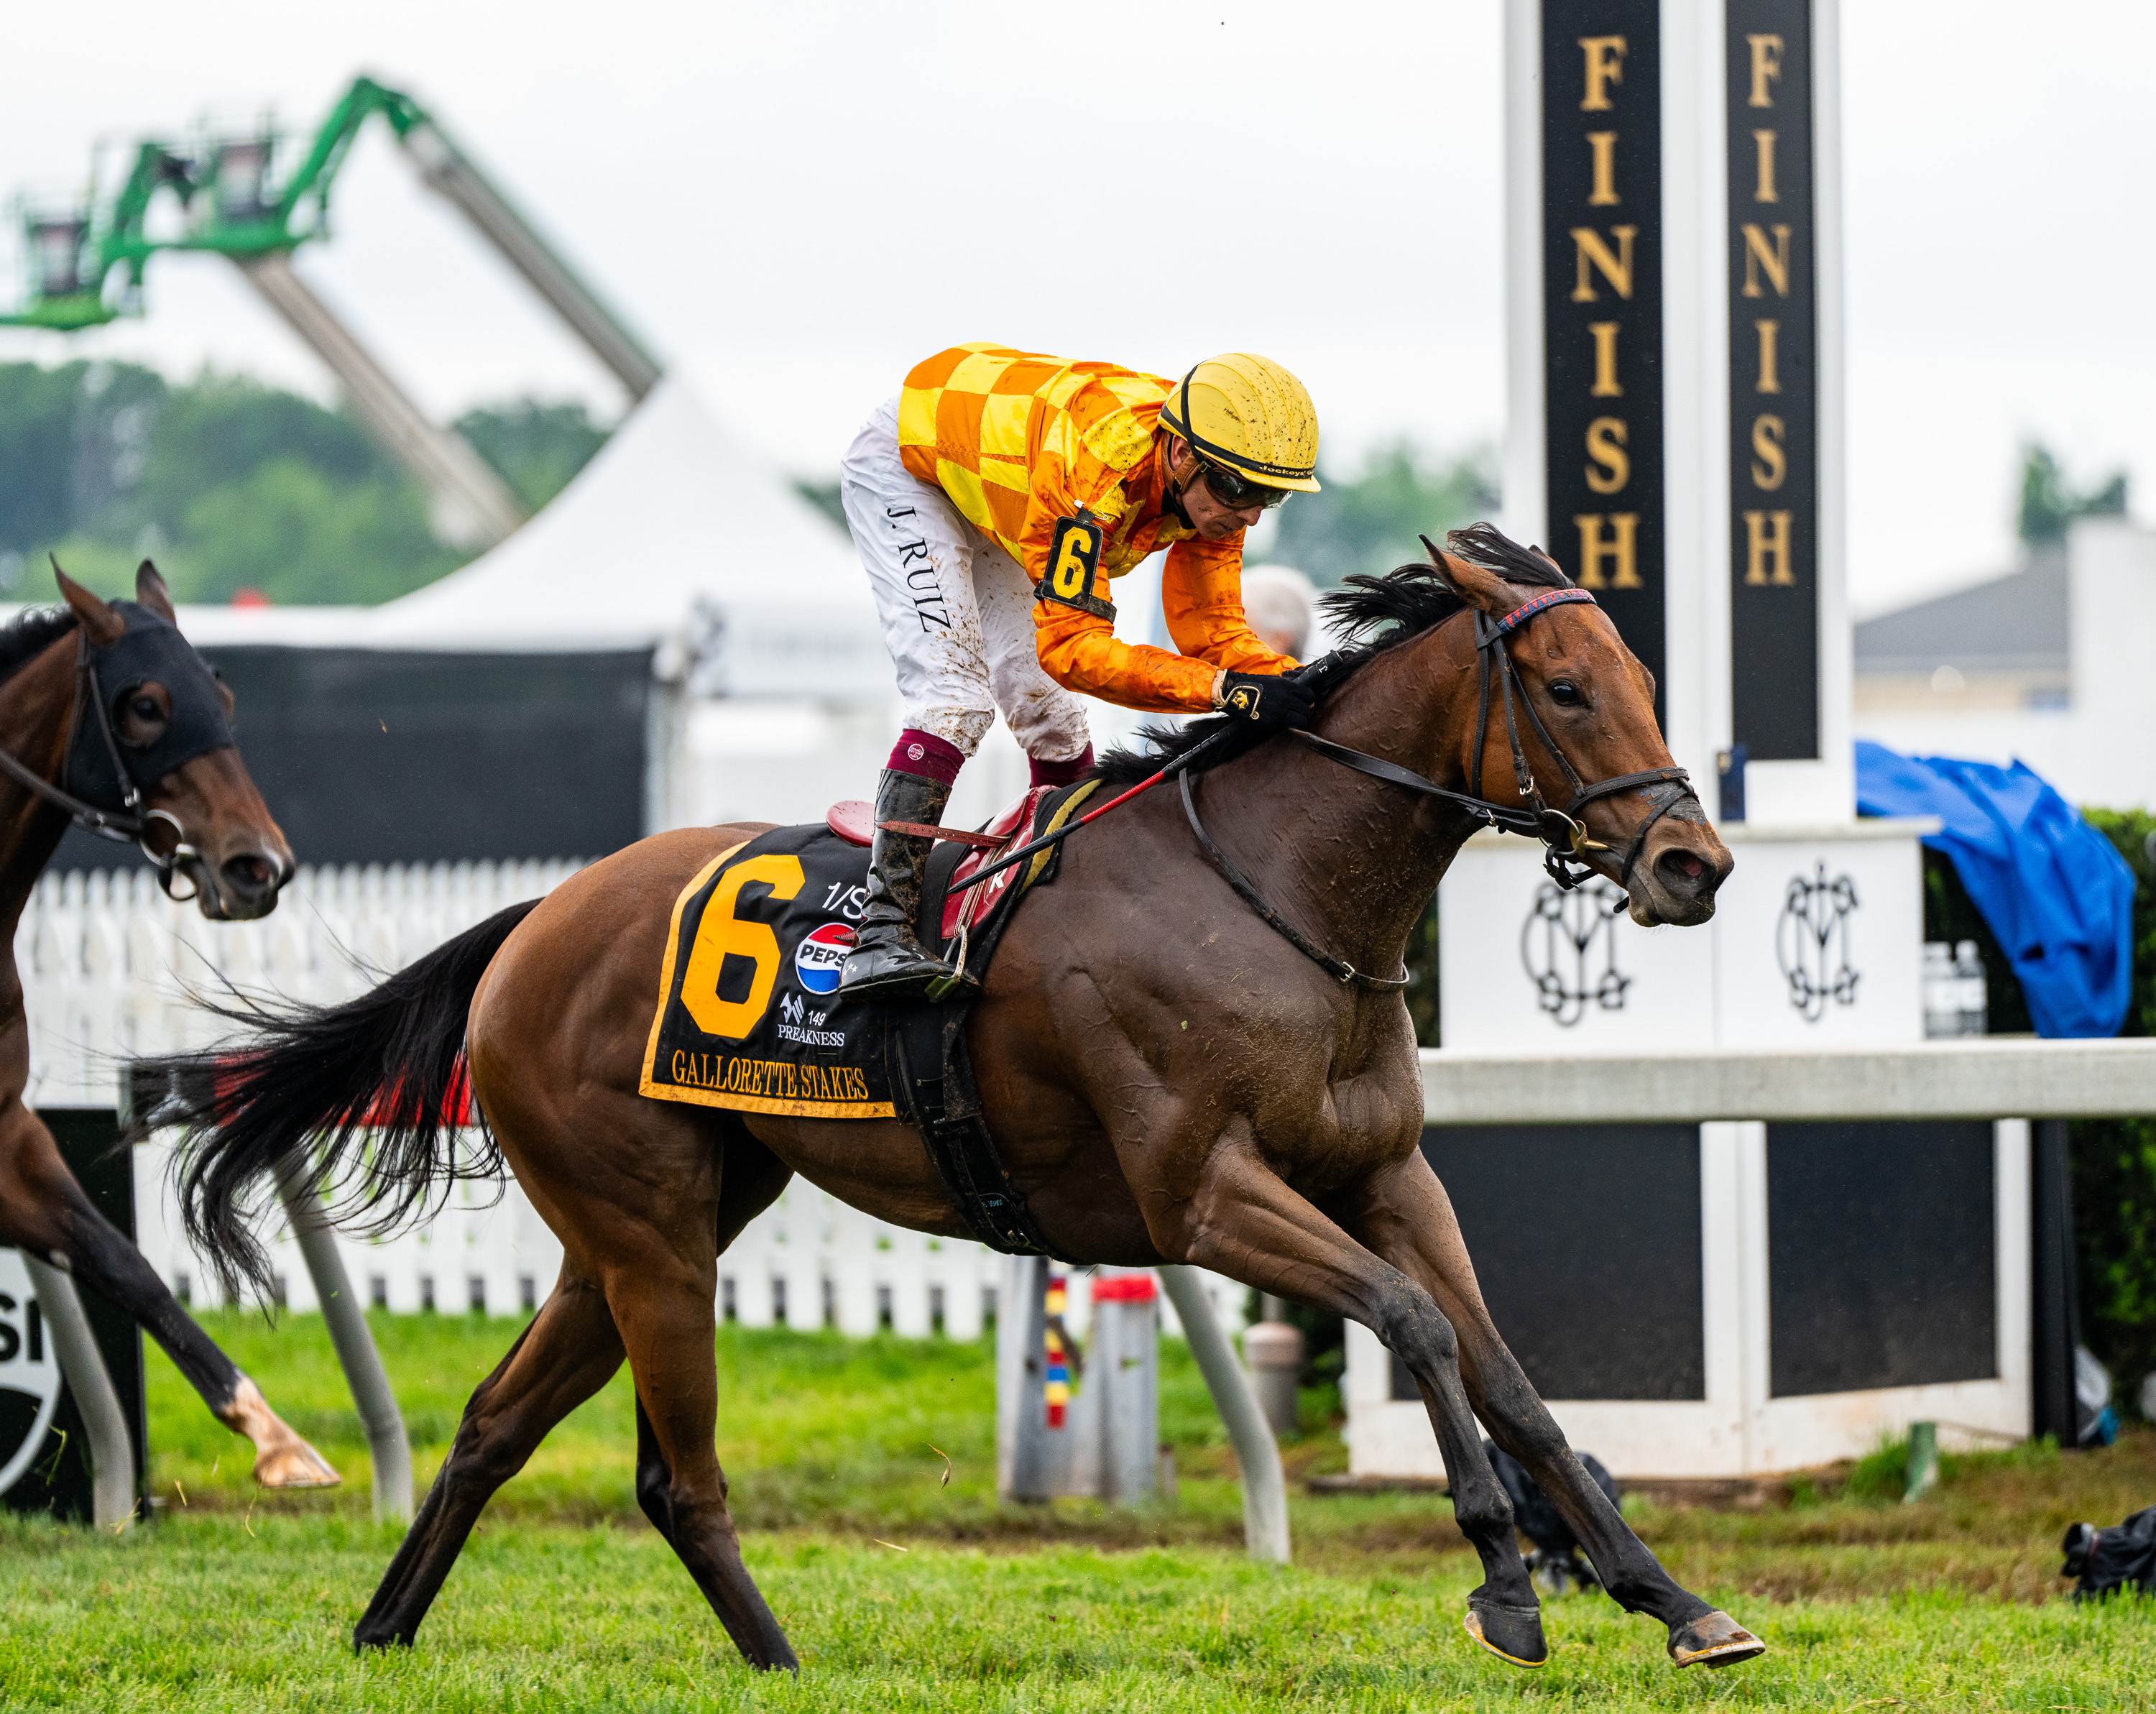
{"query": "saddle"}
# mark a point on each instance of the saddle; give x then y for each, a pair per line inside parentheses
(750, 1019)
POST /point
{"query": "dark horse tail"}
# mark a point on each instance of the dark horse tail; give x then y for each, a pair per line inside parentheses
(362, 1099)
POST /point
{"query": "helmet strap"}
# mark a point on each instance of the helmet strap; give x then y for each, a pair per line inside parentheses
(1178, 487)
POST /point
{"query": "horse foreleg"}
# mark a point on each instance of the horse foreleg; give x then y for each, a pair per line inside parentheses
(1407, 1218)
(1244, 1222)
(43, 1210)
(567, 1353)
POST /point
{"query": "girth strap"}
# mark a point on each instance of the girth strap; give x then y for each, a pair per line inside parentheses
(934, 1082)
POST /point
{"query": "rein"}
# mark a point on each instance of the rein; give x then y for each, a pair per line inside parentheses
(131, 825)
(1567, 859)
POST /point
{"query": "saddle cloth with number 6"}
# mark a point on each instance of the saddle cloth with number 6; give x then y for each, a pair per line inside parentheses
(749, 1016)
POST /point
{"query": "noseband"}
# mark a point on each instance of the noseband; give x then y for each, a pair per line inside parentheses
(1566, 858)
(157, 833)
(1561, 830)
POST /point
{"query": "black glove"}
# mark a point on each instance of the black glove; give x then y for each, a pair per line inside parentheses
(1272, 702)
(1322, 676)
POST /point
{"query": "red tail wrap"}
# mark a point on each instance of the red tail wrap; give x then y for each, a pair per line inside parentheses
(385, 1109)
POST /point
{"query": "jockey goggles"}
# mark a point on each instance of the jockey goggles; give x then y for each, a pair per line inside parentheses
(1235, 490)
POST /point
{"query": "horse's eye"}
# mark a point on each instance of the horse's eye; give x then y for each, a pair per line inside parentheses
(145, 708)
(1565, 694)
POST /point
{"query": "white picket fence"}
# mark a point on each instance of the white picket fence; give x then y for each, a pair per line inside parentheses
(109, 966)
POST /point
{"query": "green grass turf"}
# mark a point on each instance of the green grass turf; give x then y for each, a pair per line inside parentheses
(565, 1598)
(201, 1615)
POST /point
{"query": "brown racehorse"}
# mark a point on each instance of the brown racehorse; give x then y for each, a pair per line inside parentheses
(1168, 1081)
(236, 859)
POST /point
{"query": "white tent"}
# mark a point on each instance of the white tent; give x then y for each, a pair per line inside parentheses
(672, 536)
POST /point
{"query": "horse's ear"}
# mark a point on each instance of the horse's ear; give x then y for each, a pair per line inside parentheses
(1478, 586)
(99, 623)
(150, 591)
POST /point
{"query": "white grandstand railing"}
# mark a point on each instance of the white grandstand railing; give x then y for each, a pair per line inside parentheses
(110, 966)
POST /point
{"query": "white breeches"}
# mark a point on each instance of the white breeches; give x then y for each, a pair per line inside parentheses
(957, 611)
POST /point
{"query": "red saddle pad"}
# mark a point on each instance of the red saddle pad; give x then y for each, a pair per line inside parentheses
(854, 820)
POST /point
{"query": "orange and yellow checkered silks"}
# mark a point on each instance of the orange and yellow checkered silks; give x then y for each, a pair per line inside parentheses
(1017, 441)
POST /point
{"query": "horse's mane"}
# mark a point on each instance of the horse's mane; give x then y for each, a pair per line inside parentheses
(29, 633)
(1373, 613)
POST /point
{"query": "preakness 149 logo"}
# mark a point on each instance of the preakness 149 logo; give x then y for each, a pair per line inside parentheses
(29, 1372)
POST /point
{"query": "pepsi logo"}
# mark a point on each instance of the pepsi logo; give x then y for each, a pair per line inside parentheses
(817, 960)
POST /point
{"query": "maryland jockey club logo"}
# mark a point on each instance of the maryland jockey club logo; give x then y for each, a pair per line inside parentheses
(1568, 945)
(1812, 941)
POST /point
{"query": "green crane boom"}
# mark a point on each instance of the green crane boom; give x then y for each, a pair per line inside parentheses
(87, 265)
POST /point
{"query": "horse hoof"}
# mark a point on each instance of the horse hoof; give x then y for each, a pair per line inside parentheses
(1713, 1640)
(1514, 1633)
(295, 1465)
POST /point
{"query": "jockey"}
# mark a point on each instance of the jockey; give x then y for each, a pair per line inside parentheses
(992, 500)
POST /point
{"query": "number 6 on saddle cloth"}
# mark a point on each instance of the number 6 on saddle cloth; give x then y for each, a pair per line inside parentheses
(750, 1016)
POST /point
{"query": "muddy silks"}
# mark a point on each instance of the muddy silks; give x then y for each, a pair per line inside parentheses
(1026, 448)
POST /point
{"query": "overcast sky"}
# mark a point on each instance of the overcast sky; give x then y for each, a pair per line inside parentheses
(796, 203)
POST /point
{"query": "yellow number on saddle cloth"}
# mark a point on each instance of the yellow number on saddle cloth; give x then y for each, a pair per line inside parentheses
(719, 932)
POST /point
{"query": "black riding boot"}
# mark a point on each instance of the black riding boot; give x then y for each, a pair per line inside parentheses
(886, 959)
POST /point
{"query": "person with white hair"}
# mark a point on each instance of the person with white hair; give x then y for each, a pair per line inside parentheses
(1281, 605)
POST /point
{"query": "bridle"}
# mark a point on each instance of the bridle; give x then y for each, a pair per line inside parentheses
(1566, 858)
(1561, 830)
(158, 833)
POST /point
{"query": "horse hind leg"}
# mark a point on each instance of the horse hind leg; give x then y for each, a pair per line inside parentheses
(568, 1352)
(666, 1319)
(44, 1209)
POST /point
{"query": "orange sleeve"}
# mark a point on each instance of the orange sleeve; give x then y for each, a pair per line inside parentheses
(1201, 597)
(1080, 650)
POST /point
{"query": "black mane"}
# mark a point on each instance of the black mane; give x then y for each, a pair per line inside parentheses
(29, 633)
(1372, 613)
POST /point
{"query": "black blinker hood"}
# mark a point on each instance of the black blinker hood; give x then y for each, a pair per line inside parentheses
(151, 648)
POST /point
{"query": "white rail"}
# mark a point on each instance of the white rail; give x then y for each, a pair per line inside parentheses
(1969, 1078)
(109, 965)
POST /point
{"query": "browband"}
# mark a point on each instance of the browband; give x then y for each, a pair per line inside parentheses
(1549, 598)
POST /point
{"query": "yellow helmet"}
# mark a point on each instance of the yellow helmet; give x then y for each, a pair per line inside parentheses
(1249, 415)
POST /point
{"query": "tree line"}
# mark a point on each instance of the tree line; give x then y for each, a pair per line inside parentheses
(235, 487)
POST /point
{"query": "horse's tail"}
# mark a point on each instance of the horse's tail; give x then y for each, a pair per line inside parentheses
(376, 1086)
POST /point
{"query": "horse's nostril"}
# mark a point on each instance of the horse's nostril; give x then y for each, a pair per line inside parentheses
(1682, 869)
(250, 873)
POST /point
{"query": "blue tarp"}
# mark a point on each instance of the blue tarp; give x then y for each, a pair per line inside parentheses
(2054, 892)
